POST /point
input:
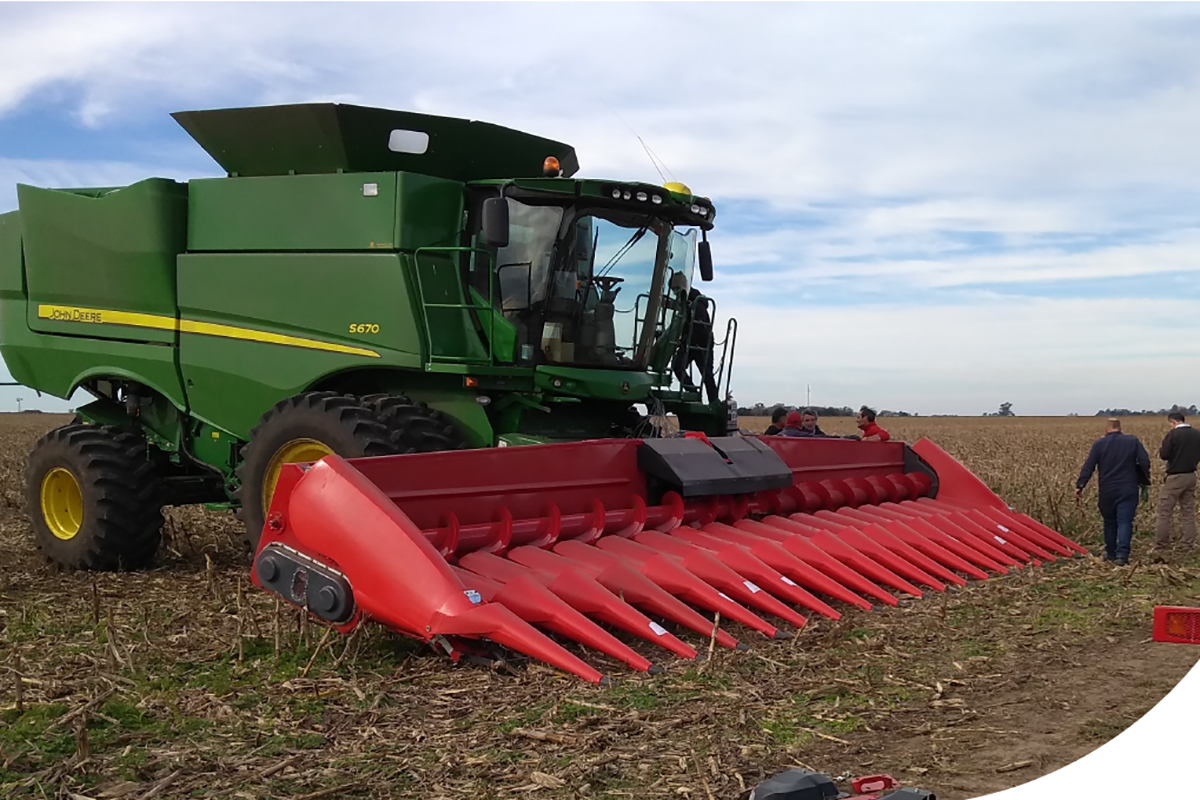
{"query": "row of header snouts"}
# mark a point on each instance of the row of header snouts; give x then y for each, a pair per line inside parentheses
(495, 224)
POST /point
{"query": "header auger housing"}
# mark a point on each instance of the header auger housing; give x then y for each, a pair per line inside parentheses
(645, 537)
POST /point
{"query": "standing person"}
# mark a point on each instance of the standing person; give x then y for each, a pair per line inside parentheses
(777, 421)
(1181, 450)
(696, 346)
(794, 425)
(808, 424)
(1124, 466)
(870, 431)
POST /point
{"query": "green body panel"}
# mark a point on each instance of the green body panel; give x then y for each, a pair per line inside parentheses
(113, 252)
(429, 211)
(214, 446)
(56, 365)
(293, 212)
(602, 384)
(317, 297)
(359, 211)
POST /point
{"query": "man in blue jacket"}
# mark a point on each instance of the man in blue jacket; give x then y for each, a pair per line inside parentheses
(1124, 466)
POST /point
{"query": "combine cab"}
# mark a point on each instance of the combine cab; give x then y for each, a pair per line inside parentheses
(640, 536)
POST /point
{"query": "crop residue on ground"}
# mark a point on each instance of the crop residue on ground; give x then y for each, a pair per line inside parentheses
(185, 681)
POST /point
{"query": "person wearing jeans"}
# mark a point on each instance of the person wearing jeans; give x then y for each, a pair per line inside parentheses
(1181, 450)
(1124, 466)
(1118, 512)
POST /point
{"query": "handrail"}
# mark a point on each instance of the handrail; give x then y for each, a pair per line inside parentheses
(728, 344)
(491, 354)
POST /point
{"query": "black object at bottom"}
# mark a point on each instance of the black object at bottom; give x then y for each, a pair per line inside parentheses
(802, 784)
(306, 583)
(796, 784)
(729, 465)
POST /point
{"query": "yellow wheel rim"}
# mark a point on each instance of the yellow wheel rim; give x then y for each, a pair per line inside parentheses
(297, 451)
(62, 503)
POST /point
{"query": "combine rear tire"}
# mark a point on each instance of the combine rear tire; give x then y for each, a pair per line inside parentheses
(303, 428)
(415, 427)
(94, 498)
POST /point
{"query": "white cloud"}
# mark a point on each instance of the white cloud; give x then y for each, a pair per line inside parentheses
(775, 101)
(875, 137)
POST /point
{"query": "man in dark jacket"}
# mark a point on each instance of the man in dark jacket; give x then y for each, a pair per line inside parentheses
(777, 421)
(696, 347)
(808, 424)
(1181, 450)
(1124, 466)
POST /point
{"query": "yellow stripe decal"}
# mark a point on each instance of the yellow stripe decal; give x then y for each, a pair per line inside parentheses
(98, 316)
(230, 332)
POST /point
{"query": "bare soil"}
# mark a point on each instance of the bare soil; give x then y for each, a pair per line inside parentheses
(185, 681)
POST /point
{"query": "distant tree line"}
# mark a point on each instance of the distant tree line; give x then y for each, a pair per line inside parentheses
(763, 410)
(1005, 411)
(1162, 412)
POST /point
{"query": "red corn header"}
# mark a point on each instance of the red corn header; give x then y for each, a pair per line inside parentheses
(629, 536)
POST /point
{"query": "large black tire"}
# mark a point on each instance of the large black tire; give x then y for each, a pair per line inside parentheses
(94, 498)
(341, 424)
(415, 427)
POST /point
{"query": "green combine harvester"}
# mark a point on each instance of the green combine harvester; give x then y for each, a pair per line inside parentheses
(362, 282)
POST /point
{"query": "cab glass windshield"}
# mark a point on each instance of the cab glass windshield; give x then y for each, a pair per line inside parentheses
(577, 283)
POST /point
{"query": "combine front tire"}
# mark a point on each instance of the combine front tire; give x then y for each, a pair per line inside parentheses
(301, 429)
(415, 427)
(94, 498)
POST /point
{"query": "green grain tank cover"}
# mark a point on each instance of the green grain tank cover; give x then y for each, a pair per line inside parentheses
(315, 138)
(103, 249)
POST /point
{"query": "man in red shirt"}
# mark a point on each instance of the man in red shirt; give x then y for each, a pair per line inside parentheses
(870, 431)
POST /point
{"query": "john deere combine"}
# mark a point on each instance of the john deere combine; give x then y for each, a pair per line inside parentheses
(362, 282)
(425, 365)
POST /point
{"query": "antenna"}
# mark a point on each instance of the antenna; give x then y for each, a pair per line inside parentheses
(654, 160)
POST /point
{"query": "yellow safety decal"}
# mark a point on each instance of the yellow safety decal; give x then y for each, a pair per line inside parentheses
(99, 316)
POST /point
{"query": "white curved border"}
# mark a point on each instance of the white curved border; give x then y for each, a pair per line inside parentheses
(1153, 757)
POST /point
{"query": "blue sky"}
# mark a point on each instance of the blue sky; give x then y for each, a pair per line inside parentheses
(930, 207)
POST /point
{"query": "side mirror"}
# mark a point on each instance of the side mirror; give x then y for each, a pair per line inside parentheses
(495, 222)
(706, 272)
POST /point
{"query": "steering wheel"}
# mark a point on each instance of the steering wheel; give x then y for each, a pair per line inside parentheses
(606, 282)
